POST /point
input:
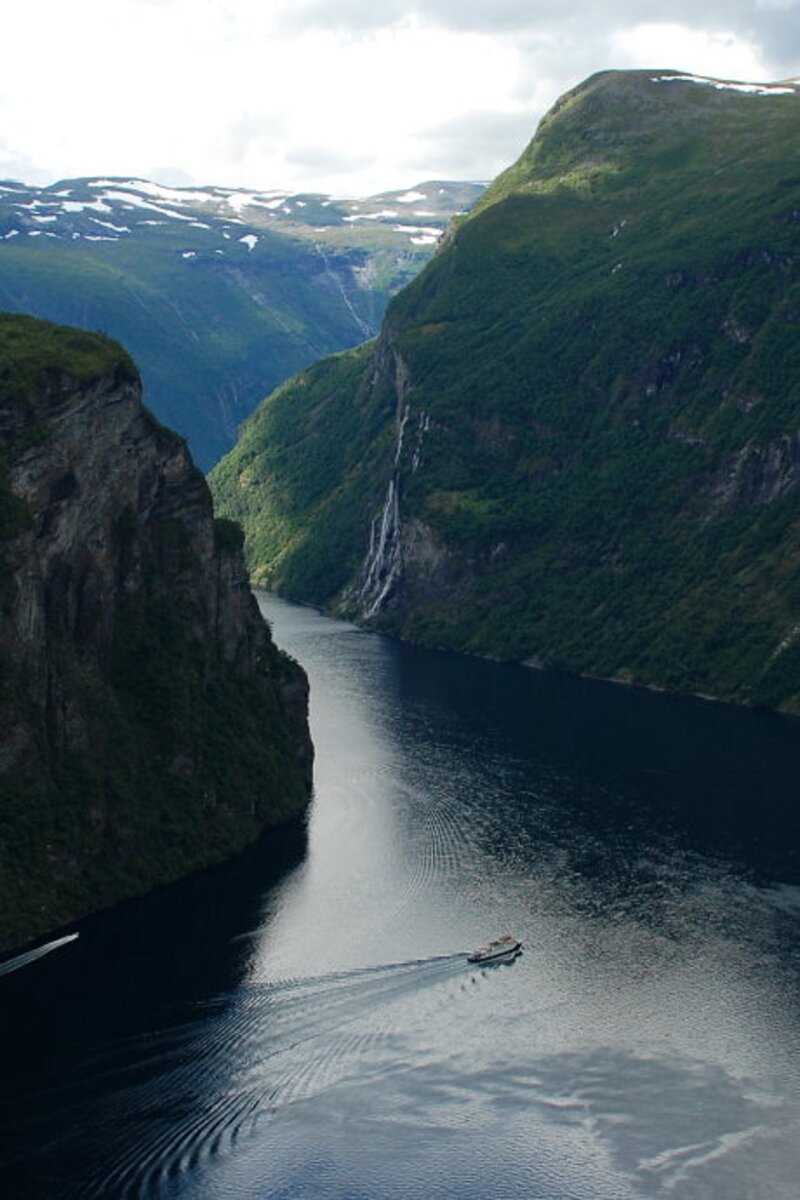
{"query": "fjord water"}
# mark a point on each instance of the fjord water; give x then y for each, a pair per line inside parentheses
(304, 1024)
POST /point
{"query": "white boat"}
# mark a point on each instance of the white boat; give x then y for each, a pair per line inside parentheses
(501, 950)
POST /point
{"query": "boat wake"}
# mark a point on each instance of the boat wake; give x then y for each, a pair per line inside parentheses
(31, 956)
(191, 1093)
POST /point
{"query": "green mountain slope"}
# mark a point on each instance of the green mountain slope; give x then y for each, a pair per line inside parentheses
(577, 440)
(219, 294)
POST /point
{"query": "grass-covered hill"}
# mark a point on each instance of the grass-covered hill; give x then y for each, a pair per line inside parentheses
(576, 441)
(220, 294)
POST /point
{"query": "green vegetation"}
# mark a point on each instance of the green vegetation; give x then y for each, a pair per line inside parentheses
(604, 388)
(36, 354)
(210, 336)
(214, 322)
(149, 725)
(187, 762)
(300, 468)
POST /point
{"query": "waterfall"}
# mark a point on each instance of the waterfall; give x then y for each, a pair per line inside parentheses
(382, 564)
(384, 560)
(365, 330)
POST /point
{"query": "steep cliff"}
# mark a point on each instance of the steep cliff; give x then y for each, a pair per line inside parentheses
(575, 442)
(149, 725)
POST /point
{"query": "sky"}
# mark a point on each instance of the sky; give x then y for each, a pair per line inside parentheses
(349, 97)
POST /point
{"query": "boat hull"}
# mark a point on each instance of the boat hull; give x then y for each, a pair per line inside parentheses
(503, 950)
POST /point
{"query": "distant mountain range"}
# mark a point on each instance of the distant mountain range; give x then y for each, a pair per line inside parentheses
(576, 442)
(219, 293)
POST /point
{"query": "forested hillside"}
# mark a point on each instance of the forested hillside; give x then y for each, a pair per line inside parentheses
(576, 441)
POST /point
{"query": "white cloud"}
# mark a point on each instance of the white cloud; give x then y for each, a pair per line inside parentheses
(448, 149)
(723, 54)
(347, 96)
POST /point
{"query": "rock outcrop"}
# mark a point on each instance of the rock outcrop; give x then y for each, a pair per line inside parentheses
(148, 724)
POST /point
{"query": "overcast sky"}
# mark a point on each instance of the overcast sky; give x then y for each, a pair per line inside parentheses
(351, 97)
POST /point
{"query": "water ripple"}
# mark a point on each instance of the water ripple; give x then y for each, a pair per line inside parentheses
(252, 1053)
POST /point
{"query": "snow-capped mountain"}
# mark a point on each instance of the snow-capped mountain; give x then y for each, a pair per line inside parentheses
(220, 293)
(112, 209)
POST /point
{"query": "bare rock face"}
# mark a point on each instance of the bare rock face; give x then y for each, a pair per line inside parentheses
(148, 725)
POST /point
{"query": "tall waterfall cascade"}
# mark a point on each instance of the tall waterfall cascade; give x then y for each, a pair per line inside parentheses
(384, 558)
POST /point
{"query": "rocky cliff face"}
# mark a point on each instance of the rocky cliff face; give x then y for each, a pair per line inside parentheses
(149, 725)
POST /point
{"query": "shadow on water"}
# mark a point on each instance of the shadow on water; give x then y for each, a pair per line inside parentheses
(172, 1103)
(722, 778)
(140, 967)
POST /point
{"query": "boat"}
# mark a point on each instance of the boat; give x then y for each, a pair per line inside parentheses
(503, 949)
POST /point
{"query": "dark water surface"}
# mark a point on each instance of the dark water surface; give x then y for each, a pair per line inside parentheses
(303, 1025)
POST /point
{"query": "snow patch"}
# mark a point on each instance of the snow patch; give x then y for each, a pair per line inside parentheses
(410, 198)
(11, 233)
(76, 206)
(241, 200)
(189, 254)
(428, 240)
(751, 89)
(156, 190)
(110, 225)
(131, 200)
(386, 214)
(425, 229)
(250, 240)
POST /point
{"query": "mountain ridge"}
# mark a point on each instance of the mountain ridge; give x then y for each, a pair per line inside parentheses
(574, 442)
(219, 293)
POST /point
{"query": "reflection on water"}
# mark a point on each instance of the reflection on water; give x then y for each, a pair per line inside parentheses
(325, 1036)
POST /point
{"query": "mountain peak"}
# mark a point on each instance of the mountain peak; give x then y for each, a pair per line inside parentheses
(617, 122)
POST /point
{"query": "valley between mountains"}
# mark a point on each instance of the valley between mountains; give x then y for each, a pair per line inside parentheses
(220, 294)
(572, 442)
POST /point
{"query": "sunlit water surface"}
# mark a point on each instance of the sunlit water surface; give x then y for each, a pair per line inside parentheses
(304, 1023)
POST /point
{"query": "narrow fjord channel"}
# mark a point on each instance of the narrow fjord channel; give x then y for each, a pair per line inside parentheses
(303, 1024)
